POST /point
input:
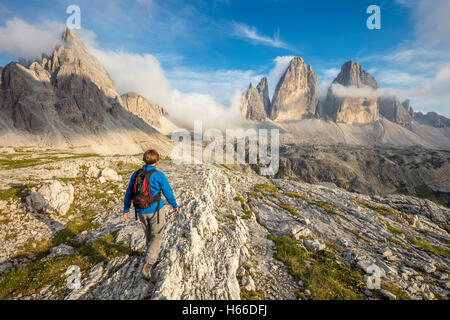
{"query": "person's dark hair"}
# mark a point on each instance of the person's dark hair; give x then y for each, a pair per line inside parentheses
(151, 157)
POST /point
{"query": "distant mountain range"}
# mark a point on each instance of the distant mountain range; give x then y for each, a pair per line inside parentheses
(69, 100)
(353, 97)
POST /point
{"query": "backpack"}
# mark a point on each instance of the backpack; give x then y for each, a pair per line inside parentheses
(143, 197)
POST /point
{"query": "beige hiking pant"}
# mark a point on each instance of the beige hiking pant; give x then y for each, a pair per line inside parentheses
(153, 233)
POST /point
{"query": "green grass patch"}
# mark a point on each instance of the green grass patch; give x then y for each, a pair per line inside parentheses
(325, 278)
(427, 247)
(399, 293)
(239, 198)
(247, 214)
(255, 195)
(399, 243)
(296, 195)
(267, 189)
(291, 209)
(16, 192)
(252, 295)
(8, 163)
(327, 207)
(393, 230)
(358, 235)
(381, 210)
(443, 225)
(39, 274)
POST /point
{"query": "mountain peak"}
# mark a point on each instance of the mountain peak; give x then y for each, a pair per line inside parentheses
(353, 74)
(296, 93)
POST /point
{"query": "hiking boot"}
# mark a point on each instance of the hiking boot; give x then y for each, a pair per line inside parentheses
(146, 271)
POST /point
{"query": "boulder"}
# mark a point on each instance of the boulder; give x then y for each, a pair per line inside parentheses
(315, 244)
(56, 197)
(93, 172)
(110, 175)
(62, 249)
(299, 231)
(388, 294)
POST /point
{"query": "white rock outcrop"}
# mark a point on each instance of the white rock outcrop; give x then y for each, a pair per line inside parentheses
(56, 197)
(110, 175)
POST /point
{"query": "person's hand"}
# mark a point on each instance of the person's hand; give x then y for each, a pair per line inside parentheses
(175, 210)
(126, 216)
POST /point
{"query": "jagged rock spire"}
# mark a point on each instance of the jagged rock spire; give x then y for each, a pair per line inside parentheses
(296, 94)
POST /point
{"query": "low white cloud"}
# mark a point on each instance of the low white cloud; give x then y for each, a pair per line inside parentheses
(249, 33)
(143, 74)
(29, 41)
(223, 83)
(353, 91)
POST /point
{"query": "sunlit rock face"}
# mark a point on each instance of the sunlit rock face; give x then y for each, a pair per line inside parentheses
(352, 96)
(255, 102)
(296, 94)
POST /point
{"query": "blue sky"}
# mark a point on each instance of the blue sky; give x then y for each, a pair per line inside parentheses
(214, 47)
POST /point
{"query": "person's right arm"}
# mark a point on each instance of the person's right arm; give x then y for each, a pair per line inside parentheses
(128, 198)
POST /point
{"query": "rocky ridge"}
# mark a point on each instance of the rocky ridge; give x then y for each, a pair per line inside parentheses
(151, 113)
(224, 242)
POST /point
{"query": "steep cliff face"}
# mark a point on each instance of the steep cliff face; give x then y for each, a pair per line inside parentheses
(68, 99)
(263, 89)
(152, 113)
(296, 93)
(407, 105)
(352, 96)
(393, 110)
(255, 102)
(252, 105)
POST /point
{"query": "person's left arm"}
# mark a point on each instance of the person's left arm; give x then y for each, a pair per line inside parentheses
(167, 190)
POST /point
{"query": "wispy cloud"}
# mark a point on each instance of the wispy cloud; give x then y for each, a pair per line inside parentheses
(251, 34)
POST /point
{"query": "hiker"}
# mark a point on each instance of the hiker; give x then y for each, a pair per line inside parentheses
(144, 190)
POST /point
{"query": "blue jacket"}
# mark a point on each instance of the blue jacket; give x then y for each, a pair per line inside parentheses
(158, 181)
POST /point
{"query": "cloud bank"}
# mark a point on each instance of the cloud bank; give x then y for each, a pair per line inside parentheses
(28, 41)
(143, 74)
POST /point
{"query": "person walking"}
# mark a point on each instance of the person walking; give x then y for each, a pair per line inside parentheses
(144, 191)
